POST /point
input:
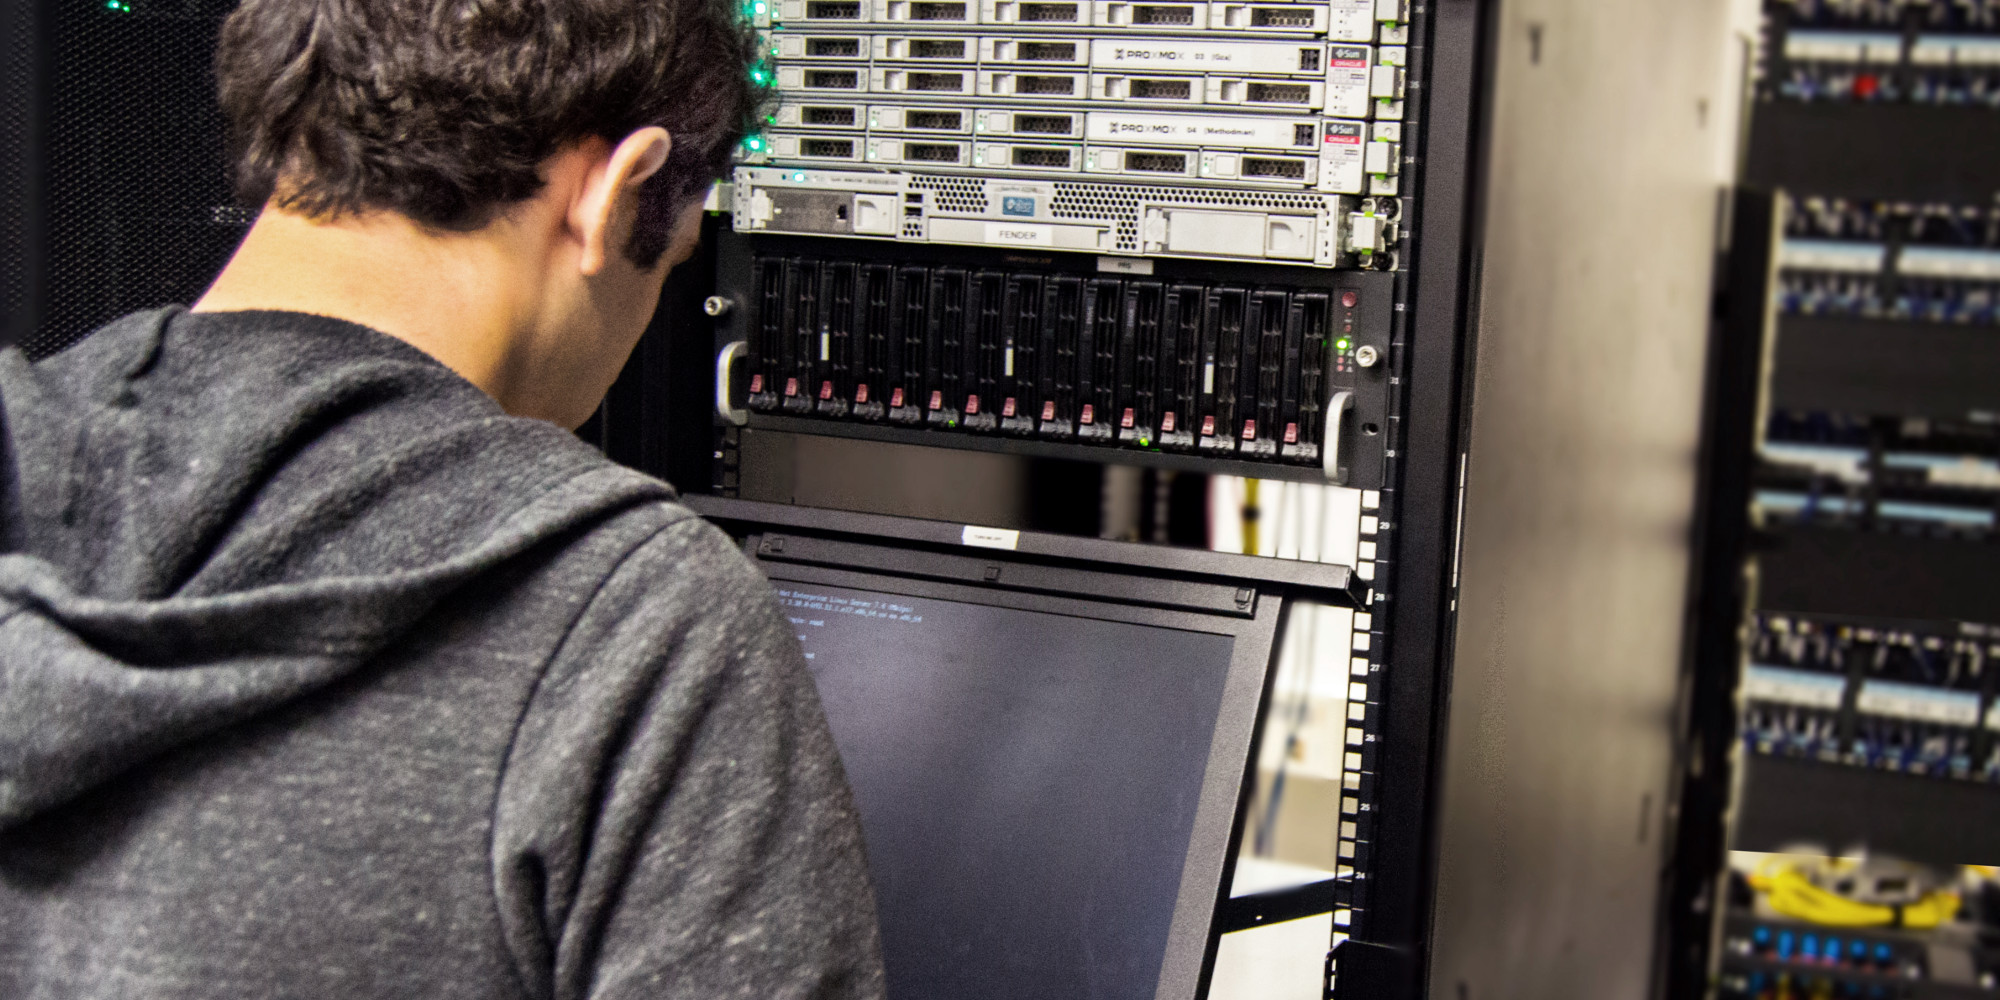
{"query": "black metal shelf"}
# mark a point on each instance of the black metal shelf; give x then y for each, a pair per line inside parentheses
(1879, 573)
(1885, 367)
(1937, 820)
(1039, 448)
(1894, 151)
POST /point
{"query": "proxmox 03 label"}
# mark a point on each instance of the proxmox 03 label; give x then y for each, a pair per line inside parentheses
(1347, 80)
(1189, 55)
(1340, 157)
(1214, 131)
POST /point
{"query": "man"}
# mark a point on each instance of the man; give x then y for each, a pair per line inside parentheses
(331, 664)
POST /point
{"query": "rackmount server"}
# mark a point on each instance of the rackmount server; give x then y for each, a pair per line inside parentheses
(1174, 361)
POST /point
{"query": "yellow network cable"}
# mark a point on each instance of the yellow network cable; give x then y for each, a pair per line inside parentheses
(1793, 893)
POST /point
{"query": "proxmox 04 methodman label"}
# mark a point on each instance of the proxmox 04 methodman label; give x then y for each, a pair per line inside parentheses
(1347, 68)
(1214, 131)
(1187, 55)
(1340, 157)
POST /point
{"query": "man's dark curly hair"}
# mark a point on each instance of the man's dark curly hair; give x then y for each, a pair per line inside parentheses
(443, 110)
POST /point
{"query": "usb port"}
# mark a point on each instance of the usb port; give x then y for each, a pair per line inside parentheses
(930, 152)
(1259, 166)
(1278, 93)
(1305, 135)
(1161, 90)
(833, 79)
(833, 10)
(936, 121)
(1309, 60)
(1048, 51)
(1045, 86)
(937, 81)
(1041, 156)
(827, 115)
(1157, 163)
(1159, 14)
(1060, 13)
(838, 148)
(937, 48)
(1045, 124)
(833, 48)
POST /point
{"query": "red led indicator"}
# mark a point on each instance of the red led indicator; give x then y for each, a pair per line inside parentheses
(1007, 408)
(1291, 434)
(826, 390)
(756, 383)
(1049, 410)
(861, 393)
(1348, 299)
(1208, 427)
(791, 387)
(1249, 430)
(1089, 414)
(1128, 419)
(971, 405)
(1167, 423)
(937, 399)
(896, 398)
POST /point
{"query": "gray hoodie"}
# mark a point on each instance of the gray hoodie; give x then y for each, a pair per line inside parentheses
(322, 677)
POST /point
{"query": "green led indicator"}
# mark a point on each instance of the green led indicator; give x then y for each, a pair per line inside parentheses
(800, 177)
(1342, 343)
(762, 8)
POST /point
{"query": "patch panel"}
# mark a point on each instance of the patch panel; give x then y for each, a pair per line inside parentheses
(1215, 367)
(1104, 215)
(1894, 696)
(1930, 53)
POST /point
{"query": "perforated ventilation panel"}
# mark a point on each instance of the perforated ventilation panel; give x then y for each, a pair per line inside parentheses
(140, 213)
(952, 194)
(1120, 203)
(18, 80)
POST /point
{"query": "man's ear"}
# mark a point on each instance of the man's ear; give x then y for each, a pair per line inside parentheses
(611, 192)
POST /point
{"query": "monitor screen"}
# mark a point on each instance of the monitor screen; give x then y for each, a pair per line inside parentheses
(1028, 783)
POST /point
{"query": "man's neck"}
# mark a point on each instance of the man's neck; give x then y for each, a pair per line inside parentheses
(458, 298)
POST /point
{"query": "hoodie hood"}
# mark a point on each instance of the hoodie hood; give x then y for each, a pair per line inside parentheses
(206, 516)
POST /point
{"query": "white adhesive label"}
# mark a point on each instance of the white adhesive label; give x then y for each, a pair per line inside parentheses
(1351, 20)
(990, 538)
(1915, 701)
(1832, 255)
(1192, 56)
(1020, 234)
(1788, 686)
(1949, 262)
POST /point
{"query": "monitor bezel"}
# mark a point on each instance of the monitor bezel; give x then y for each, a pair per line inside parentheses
(1214, 838)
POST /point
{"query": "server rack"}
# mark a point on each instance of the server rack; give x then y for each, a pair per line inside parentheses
(1842, 695)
